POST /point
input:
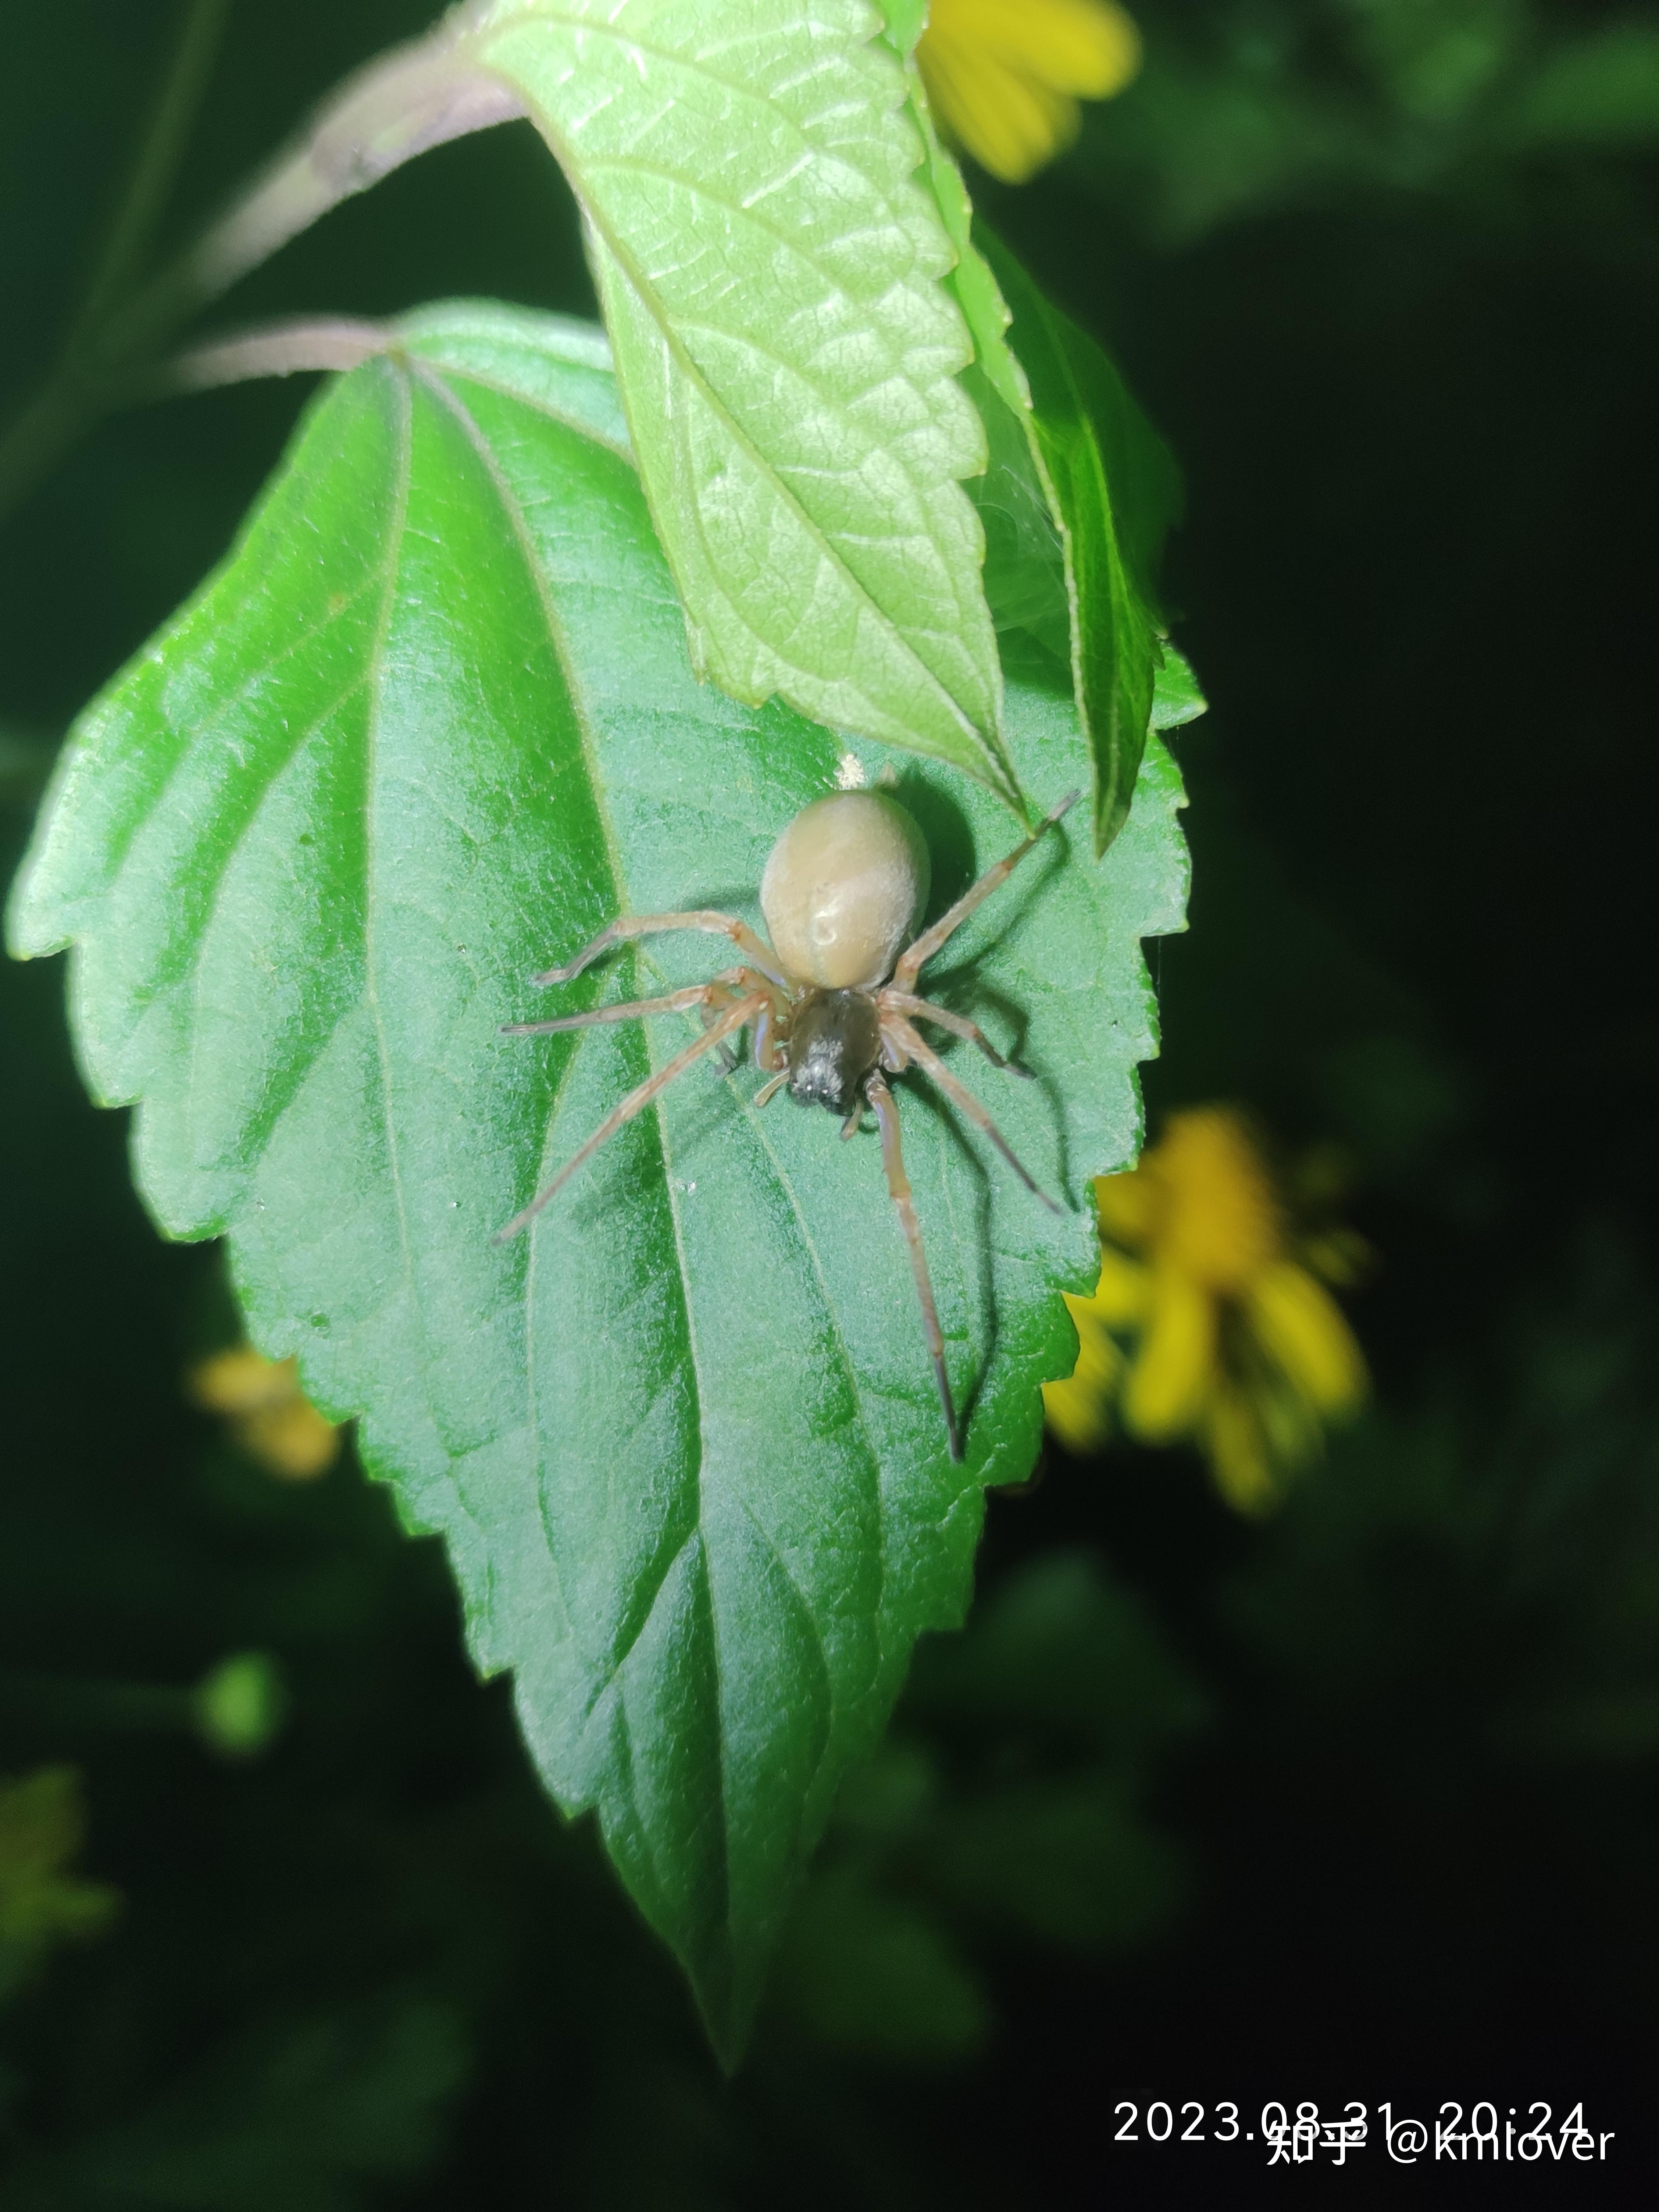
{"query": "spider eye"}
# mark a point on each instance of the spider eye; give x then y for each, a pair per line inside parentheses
(843, 888)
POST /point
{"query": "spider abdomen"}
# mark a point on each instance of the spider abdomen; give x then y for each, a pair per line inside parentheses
(834, 1040)
(843, 889)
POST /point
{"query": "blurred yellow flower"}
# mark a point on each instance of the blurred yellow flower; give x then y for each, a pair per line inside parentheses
(266, 1411)
(1210, 1323)
(1003, 77)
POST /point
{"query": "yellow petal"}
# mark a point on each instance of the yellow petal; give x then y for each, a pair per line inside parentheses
(1077, 1407)
(1175, 1369)
(1300, 1327)
(293, 1440)
(1221, 1221)
(1089, 47)
(1235, 1447)
(1119, 1296)
(1126, 1205)
(1099, 1362)
(1010, 124)
(1078, 1415)
(242, 1380)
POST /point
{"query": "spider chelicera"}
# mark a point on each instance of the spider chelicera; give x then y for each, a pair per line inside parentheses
(843, 888)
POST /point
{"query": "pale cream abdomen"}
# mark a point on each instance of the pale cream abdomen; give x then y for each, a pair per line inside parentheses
(844, 887)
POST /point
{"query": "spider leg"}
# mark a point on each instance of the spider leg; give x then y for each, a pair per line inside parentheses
(898, 1183)
(695, 995)
(729, 1058)
(637, 1099)
(906, 1002)
(627, 927)
(964, 1100)
(769, 1091)
(768, 1053)
(931, 940)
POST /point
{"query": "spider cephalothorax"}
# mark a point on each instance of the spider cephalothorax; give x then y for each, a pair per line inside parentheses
(843, 888)
(833, 1040)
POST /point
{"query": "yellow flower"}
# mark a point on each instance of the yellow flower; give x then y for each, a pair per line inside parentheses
(1003, 77)
(1219, 1330)
(267, 1413)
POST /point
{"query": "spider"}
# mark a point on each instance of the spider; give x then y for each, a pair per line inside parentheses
(842, 888)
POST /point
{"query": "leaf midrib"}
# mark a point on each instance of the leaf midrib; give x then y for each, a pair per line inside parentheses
(524, 541)
(376, 673)
(764, 468)
(988, 745)
(432, 367)
(513, 512)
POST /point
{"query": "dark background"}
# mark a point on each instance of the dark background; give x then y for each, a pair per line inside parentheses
(1358, 1803)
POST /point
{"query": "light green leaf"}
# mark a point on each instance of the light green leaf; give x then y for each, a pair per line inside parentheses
(771, 269)
(429, 728)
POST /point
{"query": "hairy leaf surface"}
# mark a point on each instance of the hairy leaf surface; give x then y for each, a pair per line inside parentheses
(771, 269)
(431, 726)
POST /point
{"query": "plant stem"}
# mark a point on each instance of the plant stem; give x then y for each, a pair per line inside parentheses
(413, 98)
(40, 434)
(144, 198)
(71, 400)
(285, 349)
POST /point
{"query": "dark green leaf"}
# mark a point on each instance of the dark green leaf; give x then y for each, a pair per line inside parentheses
(1069, 1860)
(1025, 553)
(1061, 1646)
(1601, 91)
(431, 726)
(1117, 493)
(878, 1975)
(315, 2116)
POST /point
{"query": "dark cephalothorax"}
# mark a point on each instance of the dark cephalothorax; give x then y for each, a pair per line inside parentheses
(834, 1040)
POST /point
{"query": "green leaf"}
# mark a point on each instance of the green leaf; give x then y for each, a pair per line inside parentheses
(878, 1975)
(1600, 91)
(1060, 1646)
(1176, 698)
(1079, 492)
(430, 727)
(971, 281)
(1025, 553)
(1116, 492)
(771, 272)
(1070, 1860)
(319, 2112)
